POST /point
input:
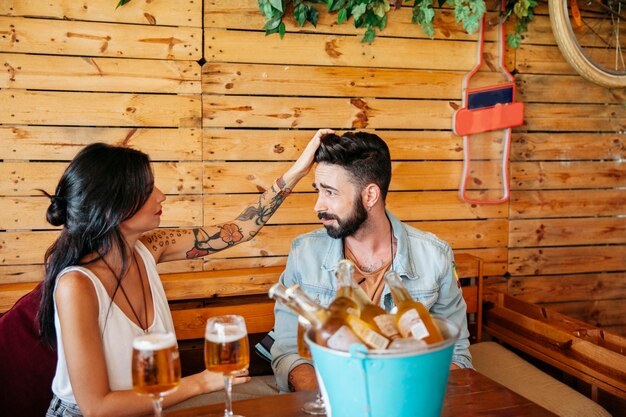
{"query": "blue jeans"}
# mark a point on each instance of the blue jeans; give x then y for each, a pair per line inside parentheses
(59, 408)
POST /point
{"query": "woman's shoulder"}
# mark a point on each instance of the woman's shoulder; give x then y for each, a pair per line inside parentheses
(73, 282)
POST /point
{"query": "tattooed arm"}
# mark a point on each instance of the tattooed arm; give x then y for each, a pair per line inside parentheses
(174, 244)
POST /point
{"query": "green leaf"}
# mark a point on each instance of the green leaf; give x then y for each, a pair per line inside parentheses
(424, 14)
(312, 15)
(334, 5)
(381, 9)
(267, 9)
(383, 23)
(358, 11)
(342, 16)
(121, 3)
(272, 24)
(277, 4)
(514, 40)
(369, 35)
(299, 12)
(281, 30)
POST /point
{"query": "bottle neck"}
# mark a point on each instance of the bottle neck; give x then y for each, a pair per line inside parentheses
(398, 292)
(302, 304)
(345, 269)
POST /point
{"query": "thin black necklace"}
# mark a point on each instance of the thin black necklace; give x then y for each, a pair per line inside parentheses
(343, 246)
(145, 301)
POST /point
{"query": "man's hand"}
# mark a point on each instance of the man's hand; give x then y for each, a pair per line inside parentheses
(304, 163)
(302, 378)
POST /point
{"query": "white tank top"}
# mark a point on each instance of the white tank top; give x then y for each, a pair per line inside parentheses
(117, 337)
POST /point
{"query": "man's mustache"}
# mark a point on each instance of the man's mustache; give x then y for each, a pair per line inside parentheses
(326, 216)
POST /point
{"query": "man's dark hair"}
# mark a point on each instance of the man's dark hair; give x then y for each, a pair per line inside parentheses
(364, 155)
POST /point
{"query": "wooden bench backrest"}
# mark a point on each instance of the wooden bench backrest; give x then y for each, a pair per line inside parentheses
(259, 312)
(575, 347)
(196, 296)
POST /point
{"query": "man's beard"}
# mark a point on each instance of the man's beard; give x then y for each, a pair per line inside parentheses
(346, 227)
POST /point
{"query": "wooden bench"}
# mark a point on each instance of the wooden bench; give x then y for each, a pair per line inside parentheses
(586, 352)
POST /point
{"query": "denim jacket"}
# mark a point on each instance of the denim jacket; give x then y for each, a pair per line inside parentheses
(423, 261)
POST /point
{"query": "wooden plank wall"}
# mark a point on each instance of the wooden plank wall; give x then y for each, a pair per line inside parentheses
(81, 72)
(221, 132)
(567, 223)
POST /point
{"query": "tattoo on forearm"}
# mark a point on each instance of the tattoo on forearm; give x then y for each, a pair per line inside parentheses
(262, 213)
(228, 234)
(162, 238)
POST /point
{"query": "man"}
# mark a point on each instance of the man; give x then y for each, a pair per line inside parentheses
(352, 178)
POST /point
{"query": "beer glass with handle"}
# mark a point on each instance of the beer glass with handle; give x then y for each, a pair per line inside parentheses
(155, 367)
(226, 351)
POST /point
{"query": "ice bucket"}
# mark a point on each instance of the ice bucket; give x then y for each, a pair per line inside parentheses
(359, 383)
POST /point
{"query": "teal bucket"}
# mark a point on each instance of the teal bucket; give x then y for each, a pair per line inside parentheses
(359, 383)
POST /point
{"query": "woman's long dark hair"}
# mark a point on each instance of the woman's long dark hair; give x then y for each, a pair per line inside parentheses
(102, 186)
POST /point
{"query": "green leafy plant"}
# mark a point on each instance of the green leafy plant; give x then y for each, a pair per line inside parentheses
(523, 11)
(372, 14)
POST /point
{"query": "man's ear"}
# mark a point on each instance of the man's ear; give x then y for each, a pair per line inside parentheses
(371, 195)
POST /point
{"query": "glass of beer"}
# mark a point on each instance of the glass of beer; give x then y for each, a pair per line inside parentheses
(226, 351)
(156, 367)
(317, 406)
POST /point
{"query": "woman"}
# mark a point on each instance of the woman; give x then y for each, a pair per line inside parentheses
(101, 287)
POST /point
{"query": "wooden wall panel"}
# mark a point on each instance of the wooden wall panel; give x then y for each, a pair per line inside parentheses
(558, 146)
(406, 176)
(575, 117)
(74, 74)
(286, 145)
(178, 13)
(567, 228)
(544, 88)
(567, 203)
(17, 212)
(559, 175)
(99, 109)
(569, 231)
(221, 78)
(220, 133)
(563, 260)
(264, 97)
(49, 72)
(346, 113)
(25, 178)
(562, 288)
(43, 143)
(63, 37)
(320, 49)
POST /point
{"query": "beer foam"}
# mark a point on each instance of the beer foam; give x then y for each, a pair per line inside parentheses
(154, 341)
(225, 334)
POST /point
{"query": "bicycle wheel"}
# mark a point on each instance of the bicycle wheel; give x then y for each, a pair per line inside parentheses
(591, 35)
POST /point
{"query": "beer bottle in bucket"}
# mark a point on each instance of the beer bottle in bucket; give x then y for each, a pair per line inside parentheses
(345, 300)
(334, 328)
(330, 330)
(370, 313)
(412, 318)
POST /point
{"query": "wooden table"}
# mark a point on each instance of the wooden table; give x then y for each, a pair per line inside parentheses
(469, 394)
